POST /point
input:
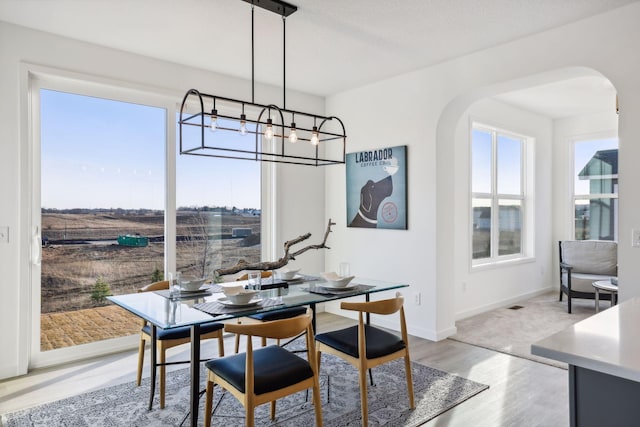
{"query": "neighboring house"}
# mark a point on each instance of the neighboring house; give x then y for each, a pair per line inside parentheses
(602, 172)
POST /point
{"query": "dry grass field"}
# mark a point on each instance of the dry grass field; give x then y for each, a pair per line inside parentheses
(83, 248)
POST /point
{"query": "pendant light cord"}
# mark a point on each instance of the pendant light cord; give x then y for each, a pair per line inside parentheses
(253, 81)
(284, 62)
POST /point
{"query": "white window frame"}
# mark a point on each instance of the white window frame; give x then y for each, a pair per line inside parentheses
(526, 190)
(36, 77)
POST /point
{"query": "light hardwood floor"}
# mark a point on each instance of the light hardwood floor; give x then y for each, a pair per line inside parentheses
(521, 393)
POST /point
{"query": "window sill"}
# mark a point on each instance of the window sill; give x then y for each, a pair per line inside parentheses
(501, 263)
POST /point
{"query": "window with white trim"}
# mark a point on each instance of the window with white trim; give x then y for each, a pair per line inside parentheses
(498, 194)
(595, 189)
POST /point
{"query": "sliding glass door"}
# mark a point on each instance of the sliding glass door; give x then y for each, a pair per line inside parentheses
(101, 215)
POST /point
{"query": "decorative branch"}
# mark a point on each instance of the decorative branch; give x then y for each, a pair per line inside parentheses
(288, 256)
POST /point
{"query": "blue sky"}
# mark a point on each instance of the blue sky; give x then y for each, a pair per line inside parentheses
(509, 155)
(98, 153)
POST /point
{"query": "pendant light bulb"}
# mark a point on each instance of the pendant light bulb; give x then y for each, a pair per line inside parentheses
(293, 135)
(243, 125)
(268, 132)
(315, 139)
(214, 120)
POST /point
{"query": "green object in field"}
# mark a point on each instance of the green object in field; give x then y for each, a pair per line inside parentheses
(135, 240)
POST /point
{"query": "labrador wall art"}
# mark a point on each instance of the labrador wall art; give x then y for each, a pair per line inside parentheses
(377, 188)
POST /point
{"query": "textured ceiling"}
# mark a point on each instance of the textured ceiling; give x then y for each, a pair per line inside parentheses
(332, 45)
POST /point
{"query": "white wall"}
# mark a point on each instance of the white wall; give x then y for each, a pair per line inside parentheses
(422, 109)
(485, 287)
(299, 189)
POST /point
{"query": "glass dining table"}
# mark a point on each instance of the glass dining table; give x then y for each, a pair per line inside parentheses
(161, 310)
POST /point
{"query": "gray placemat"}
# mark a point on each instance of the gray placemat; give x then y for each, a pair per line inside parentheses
(319, 289)
(215, 308)
(211, 289)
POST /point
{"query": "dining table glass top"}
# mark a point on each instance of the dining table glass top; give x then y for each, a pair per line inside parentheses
(166, 312)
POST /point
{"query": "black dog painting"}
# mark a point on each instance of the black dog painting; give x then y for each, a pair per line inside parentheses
(377, 188)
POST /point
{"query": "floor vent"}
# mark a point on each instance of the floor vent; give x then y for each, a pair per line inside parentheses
(515, 307)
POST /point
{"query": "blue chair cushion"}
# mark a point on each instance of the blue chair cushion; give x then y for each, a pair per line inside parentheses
(285, 313)
(379, 343)
(183, 331)
(274, 368)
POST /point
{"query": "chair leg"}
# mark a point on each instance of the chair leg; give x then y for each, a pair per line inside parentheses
(140, 360)
(272, 410)
(316, 401)
(407, 368)
(237, 343)
(560, 299)
(248, 412)
(208, 404)
(221, 345)
(163, 373)
(363, 396)
(569, 304)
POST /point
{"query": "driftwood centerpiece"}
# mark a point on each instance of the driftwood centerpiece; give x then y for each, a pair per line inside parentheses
(288, 255)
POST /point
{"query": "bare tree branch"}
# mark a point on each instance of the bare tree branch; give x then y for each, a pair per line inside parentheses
(288, 256)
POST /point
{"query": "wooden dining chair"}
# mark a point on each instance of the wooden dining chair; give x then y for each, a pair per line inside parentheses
(167, 338)
(268, 373)
(366, 346)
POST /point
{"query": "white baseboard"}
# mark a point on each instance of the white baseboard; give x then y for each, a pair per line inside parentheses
(502, 303)
(84, 351)
(389, 323)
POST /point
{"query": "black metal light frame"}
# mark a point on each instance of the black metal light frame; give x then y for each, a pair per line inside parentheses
(283, 150)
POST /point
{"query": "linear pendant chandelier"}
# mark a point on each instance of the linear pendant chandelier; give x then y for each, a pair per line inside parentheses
(217, 126)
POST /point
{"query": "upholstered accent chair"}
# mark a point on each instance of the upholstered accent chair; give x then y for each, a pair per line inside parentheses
(366, 346)
(172, 337)
(583, 262)
(268, 373)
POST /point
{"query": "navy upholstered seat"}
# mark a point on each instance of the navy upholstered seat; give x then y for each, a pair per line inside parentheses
(379, 343)
(284, 313)
(274, 368)
(182, 332)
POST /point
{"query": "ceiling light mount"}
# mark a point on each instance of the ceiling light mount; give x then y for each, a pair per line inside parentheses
(236, 117)
(278, 7)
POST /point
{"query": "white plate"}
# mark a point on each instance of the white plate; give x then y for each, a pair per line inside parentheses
(339, 288)
(296, 277)
(202, 288)
(226, 301)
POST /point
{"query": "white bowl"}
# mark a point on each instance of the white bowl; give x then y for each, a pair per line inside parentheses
(231, 288)
(286, 274)
(336, 281)
(191, 283)
(242, 297)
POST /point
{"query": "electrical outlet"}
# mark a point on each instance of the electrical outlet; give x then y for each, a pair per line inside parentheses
(417, 298)
(4, 234)
(635, 238)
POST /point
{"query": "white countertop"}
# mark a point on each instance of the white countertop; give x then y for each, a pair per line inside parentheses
(607, 342)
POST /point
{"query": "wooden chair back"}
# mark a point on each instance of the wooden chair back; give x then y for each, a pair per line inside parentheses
(155, 286)
(276, 329)
(384, 307)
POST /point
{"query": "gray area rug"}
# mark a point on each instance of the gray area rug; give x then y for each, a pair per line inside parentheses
(126, 405)
(513, 331)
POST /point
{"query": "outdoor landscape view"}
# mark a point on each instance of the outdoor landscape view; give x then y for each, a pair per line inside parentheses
(103, 193)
